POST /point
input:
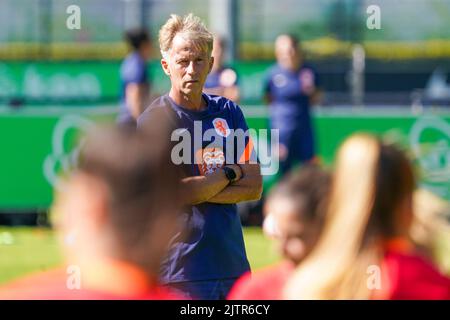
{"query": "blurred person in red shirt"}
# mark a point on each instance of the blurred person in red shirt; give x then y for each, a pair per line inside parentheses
(364, 251)
(116, 216)
(294, 217)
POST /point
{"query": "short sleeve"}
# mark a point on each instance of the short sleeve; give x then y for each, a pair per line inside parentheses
(245, 153)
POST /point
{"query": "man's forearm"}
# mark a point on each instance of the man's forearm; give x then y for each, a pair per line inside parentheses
(200, 189)
(235, 194)
(246, 189)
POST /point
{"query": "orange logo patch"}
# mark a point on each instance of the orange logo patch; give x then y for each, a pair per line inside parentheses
(221, 127)
(209, 160)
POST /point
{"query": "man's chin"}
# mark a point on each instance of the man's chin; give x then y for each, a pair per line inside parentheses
(190, 85)
(192, 91)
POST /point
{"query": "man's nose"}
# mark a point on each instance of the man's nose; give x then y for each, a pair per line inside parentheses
(190, 68)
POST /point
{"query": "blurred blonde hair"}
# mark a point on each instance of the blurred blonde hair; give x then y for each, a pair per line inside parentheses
(191, 28)
(360, 214)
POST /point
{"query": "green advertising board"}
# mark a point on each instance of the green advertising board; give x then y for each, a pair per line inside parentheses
(97, 82)
(37, 146)
(425, 136)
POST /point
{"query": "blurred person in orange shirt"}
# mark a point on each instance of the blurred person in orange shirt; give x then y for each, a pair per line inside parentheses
(115, 216)
(364, 251)
(294, 217)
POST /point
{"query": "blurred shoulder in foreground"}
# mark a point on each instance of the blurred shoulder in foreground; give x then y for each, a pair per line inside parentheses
(115, 216)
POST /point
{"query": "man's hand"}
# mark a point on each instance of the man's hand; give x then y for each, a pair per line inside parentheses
(237, 169)
(216, 187)
(248, 188)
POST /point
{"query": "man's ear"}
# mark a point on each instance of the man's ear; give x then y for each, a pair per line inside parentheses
(211, 63)
(165, 66)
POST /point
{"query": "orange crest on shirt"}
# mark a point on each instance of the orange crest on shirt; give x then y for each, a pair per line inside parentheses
(221, 127)
(209, 160)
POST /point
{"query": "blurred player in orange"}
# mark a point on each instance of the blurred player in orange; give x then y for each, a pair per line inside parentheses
(115, 218)
(222, 80)
(364, 251)
(296, 208)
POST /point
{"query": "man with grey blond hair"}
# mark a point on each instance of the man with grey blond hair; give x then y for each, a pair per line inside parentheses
(218, 160)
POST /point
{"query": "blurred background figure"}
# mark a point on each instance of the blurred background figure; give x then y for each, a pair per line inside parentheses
(436, 91)
(222, 80)
(296, 208)
(115, 218)
(364, 250)
(290, 89)
(135, 84)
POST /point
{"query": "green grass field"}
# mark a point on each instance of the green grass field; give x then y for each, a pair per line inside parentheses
(25, 250)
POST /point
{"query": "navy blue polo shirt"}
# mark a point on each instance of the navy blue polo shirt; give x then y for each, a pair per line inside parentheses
(214, 245)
